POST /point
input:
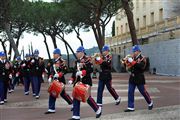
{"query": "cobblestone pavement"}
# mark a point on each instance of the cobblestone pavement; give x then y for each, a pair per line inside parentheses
(164, 90)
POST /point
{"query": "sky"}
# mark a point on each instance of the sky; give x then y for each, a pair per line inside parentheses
(37, 41)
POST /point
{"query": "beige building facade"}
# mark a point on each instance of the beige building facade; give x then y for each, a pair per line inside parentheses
(155, 20)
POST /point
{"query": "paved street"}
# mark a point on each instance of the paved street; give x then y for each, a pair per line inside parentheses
(164, 90)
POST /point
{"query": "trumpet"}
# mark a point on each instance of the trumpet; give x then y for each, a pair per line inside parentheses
(126, 63)
(97, 59)
(125, 60)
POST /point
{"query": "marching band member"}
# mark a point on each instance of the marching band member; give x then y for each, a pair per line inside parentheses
(42, 70)
(4, 77)
(136, 67)
(25, 70)
(48, 69)
(35, 72)
(57, 70)
(105, 77)
(82, 72)
(16, 71)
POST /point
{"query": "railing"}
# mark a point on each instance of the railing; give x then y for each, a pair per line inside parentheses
(151, 27)
(168, 23)
(171, 21)
(160, 25)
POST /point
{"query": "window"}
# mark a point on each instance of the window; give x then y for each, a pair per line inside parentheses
(119, 49)
(126, 27)
(137, 23)
(152, 18)
(114, 50)
(161, 14)
(117, 30)
(144, 21)
(121, 29)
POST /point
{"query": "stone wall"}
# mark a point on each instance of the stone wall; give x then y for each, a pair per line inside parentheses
(163, 55)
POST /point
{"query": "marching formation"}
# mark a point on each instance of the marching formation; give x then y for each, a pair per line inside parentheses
(27, 72)
(31, 70)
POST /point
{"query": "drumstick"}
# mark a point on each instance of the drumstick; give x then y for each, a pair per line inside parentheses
(78, 69)
(54, 67)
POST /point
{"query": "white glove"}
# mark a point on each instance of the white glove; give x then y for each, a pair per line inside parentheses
(56, 76)
(79, 73)
(10, 76)
(70, 82)
(98, 58)
(32, 61)
(17, 74)
(24, 65)
(46, 70)
(43, 76)
(130, 60)
(49, 80)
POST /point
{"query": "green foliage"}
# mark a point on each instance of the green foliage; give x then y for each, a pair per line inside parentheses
(62, 16)
(74, 15)
(94, 14)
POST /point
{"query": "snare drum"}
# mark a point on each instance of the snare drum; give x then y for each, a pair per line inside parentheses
(81, 91)
(56, 88)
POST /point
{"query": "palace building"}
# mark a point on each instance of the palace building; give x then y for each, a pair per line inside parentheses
(157, 25)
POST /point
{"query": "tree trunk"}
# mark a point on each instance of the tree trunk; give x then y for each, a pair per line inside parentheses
(17, 43)
(103, 35)
(10, 52)
(54, 41)
(62, 39)
(47, 48)
(80, 40)
(99, 30)
(130, 19)
(100, 38)
(98, 34)
(4, 47)
(78, 36)
(23, 53)
(10, 38)
(32, 51)
(68, 62)
(97, 38)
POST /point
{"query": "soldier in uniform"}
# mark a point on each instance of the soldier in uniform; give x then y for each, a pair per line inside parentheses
(16, 68)
(83, 74)
(10, 80)
(105, 77)
(48, 68)
(57, 70)
(137, 79)
(35, 72)
(42, 70)
(25, 70)
(4, 77)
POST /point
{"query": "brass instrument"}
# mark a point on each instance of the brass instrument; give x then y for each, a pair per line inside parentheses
(126, 63)
(125, 60)
(97, 58)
